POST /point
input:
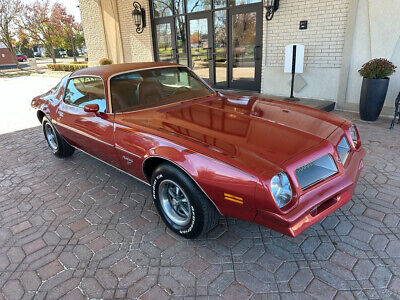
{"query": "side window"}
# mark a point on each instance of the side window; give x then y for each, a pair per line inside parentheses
(125, 91)
(85, 90)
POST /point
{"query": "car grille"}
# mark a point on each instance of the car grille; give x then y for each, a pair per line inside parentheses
(316, 171)
(343, 149)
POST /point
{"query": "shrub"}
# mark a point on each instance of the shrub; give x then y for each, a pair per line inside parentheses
(66, 67)
(105, 61)
(378, 68)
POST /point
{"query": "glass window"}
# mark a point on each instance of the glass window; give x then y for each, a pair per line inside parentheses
(242, 2)
(162, 8)
(85, 90)
(197, 5)
(164, 42)
(150, 88)
(179, 9)
(181, 40)
(220, 45)
(219, 3)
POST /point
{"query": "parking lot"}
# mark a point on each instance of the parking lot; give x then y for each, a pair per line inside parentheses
(77, 228)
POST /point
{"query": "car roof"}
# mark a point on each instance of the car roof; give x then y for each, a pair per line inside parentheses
(109, 70)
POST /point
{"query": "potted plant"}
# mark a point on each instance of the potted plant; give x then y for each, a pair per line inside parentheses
(374, 88)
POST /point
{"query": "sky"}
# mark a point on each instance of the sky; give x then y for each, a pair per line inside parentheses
(71, 5)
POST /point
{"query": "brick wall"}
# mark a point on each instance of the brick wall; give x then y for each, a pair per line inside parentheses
(323, 39)
(93, 30)
(136, 47)
(6, 57)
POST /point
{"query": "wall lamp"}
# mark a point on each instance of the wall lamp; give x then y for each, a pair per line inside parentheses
(139, 17)
(272, 7)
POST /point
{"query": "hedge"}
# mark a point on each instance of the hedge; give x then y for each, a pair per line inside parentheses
(105, 61)
(66, 67)
(78, 63)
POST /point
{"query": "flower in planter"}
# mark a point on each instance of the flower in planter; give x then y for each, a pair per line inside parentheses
(374, 88)
(378, 68)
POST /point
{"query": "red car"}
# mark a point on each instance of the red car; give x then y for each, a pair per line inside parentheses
(21, 57)
(278, 164)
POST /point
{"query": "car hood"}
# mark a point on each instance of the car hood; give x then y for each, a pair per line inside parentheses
(247, 130)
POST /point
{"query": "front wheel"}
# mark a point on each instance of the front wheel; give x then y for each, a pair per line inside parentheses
(56, 142)
(182, 205)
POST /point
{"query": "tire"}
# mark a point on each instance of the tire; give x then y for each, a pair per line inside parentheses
(202, 215)
(56, 142)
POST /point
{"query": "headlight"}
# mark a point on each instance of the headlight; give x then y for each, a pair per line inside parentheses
(353, 134)
(281, 190)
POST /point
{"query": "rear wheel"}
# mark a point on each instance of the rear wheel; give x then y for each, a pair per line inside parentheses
(182, 205)
(56, 142)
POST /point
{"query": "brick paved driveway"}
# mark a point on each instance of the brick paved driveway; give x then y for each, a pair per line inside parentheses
(78, 228)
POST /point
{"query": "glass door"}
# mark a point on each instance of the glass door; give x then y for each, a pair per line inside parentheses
(166, 45)
(245, 51)
(220, 58)
(201, 45)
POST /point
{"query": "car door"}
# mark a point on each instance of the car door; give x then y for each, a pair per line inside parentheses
(88, 131)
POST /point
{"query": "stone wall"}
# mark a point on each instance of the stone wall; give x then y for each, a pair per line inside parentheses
(376, 35)
(136, 47)
(93, 30)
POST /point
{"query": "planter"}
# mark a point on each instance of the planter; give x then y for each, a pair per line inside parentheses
(373, 94)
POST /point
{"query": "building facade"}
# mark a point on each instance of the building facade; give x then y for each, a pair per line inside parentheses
(6, 57)
(232, 45)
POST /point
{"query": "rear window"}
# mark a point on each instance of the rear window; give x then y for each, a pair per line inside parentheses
(150, 88)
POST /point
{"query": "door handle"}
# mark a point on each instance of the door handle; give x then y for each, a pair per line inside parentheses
(172, 53)
(255, 53)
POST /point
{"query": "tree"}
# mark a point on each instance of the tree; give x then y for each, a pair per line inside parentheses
(9, 12)
(41, 25)
(79, 38)
(66, 26)
(23, 44)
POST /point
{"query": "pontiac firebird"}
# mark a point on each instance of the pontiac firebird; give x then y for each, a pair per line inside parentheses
(205, 154)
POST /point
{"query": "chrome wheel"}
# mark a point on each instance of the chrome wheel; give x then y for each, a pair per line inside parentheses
(174, 202)
(51, 137)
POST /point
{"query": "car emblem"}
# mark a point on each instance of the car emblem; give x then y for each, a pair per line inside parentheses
(128, 160)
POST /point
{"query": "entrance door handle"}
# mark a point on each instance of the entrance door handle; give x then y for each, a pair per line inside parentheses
(255, 53)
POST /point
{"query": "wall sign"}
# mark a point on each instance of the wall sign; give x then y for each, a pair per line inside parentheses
(303, 25)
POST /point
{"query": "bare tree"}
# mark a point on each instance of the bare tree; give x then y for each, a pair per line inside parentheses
(9, 12)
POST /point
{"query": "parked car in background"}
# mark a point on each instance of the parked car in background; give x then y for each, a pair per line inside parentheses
(37, 54)
(63, 52)
(22, 57)
(278, 164)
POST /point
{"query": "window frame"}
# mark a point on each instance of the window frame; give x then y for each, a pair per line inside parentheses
(87, 76)
(152, 68)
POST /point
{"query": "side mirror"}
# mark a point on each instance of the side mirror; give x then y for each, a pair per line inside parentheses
(94, 108)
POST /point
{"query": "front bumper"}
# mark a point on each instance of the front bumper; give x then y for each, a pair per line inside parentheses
(323, 201)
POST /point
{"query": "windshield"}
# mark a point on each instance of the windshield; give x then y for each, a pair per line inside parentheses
(150, 88)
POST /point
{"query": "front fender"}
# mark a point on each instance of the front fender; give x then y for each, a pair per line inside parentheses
(230, 189)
